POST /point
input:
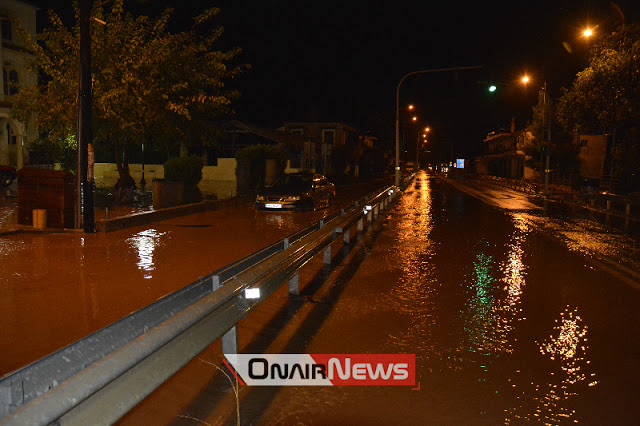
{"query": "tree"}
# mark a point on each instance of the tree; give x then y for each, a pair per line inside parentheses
(605, 97)
(150, 85)
(545, 127)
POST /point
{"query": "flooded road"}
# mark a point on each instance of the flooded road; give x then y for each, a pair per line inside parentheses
(58, 288)
(508, 326)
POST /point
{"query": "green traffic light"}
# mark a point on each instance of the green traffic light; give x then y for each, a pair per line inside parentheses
(492, 88)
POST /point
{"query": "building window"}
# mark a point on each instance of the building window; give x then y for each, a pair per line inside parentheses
(328, 136)
(298, 132)
(11, 138)
(10, 80)
(5, 27)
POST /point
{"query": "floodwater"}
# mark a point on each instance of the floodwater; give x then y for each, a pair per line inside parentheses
(509, 326)
(57, 288)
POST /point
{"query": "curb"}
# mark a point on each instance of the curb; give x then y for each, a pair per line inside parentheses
(143, 218)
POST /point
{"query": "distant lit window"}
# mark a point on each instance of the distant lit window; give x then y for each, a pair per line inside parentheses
(328, 136)
(5, 28)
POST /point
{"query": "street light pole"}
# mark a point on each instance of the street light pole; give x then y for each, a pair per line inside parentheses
(397, 177)
(545, 122)
(84, 120)
(544, 113)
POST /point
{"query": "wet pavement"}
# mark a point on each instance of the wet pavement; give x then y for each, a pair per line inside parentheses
(510, 324)
(513, 316)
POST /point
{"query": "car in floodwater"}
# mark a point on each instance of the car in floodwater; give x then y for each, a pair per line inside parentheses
(7, 175)
(297, 191)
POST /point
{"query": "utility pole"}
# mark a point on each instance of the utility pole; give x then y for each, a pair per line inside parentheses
(544, 112)
(84, 119)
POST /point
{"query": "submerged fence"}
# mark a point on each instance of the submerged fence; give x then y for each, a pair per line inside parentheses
(98, 379)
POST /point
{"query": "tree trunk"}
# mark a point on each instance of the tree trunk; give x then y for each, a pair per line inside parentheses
(125, 185)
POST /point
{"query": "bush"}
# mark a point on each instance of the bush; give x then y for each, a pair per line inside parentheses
(185, 169)
(63, 151)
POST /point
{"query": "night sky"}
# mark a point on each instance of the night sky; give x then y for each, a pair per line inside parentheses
(341, 61)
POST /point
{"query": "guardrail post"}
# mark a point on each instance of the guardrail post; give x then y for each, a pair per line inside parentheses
(360, 225)
(326, 256)
(215, 283)
(375, 212)
(627, 210)
(321, 223)
(608, 204)
(286, 243)
(369, 216)
(346, 234)
(230, 338)
(294, 284)
(230, 341)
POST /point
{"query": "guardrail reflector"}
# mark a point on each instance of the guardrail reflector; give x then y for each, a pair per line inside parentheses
(252, 293)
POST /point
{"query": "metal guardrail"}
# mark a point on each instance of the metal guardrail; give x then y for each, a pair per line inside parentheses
(610, 205)
(98, 379)
(516, 184)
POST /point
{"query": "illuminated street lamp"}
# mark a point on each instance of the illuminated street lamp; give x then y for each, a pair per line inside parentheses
(424, 136)
(588, 32)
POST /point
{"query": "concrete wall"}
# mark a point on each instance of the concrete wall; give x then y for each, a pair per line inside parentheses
(219, 180)
(593, 149)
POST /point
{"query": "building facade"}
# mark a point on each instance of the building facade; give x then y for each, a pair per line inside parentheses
(15, 58)
(339, 145)
(504, 155)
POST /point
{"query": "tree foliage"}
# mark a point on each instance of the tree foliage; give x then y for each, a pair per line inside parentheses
(185, 169)
(606, 94)
(545, 127)
(149, 85)
(605, 97)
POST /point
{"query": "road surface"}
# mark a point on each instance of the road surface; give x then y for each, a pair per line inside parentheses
(513, 317)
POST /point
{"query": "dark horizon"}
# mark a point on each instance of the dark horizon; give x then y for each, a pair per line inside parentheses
(342, 61)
